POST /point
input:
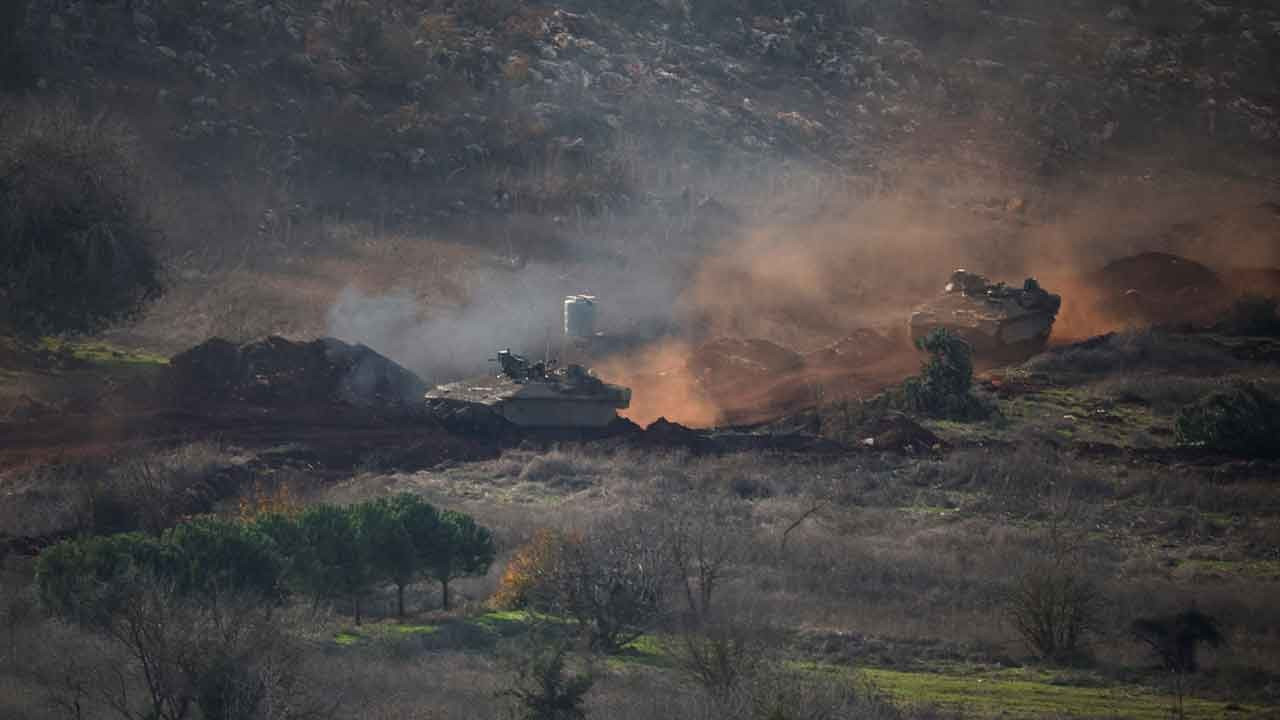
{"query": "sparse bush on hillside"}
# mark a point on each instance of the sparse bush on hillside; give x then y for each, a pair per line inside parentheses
(76, 243)
(612, 581)
(1055, 604)
(1175, 639)
(545, 689)
(149, 493)
(1055, 607)
(1243, 419)
(530, 570)
(943, 387)
(721, 655)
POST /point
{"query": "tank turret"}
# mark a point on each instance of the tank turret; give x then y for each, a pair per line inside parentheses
(533, 395)
(998, 321)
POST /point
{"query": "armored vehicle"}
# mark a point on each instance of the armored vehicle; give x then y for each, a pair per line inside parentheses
(999, 322)
(533, 395)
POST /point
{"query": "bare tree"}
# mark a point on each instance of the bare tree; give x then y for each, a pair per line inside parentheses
(721, 654)
(705, 539)
(614, 581)
(1054, 604)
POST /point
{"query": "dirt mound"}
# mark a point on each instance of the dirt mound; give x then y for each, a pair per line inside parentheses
(668, 434)
(861, 347)
(280, 372)
(1156, 287)
(1157, 273)
(750, 381)
(733, 360)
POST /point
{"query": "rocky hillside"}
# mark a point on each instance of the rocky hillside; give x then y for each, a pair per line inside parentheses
(550, 106)
(264, 122)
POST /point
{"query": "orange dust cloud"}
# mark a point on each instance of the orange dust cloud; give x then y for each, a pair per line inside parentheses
(661, 385)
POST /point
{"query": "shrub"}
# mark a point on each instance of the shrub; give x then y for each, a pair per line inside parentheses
(530, 570)
(612, 581)
(1243, 419)
(1175, 638)
(76, 245)
(150, 493)
(1251, 314)
(720, 655)
(1055, 608)
(943, 387)
(545, 690)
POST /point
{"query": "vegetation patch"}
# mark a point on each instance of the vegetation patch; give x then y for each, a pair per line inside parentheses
(76, 240)
(1243, 419)
(1011, 693)
(100, 354)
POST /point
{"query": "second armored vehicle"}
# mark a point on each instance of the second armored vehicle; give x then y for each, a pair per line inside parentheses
(531, 395)
(999, 322)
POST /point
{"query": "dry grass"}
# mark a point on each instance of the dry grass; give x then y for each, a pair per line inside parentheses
(887, 562)
(128, 493)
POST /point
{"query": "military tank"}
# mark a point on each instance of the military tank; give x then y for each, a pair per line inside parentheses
(531, 395)
(999, 322)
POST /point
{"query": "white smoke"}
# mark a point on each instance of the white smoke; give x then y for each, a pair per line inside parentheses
(517, 309)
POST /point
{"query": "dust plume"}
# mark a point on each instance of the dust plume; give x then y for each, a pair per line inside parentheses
(442, 343)
(662, 385)
(503, 307)
(804, 285)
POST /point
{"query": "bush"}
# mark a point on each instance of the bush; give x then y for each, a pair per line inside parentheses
(529, 571)
(721, 655)
(1242, 420)
(1175, 639)
(545, 690)
(612, 581)
(76, 245)
(942, 389)
(1055, 608)
(1254, 315)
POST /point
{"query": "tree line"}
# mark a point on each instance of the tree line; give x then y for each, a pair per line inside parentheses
(324, 552)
